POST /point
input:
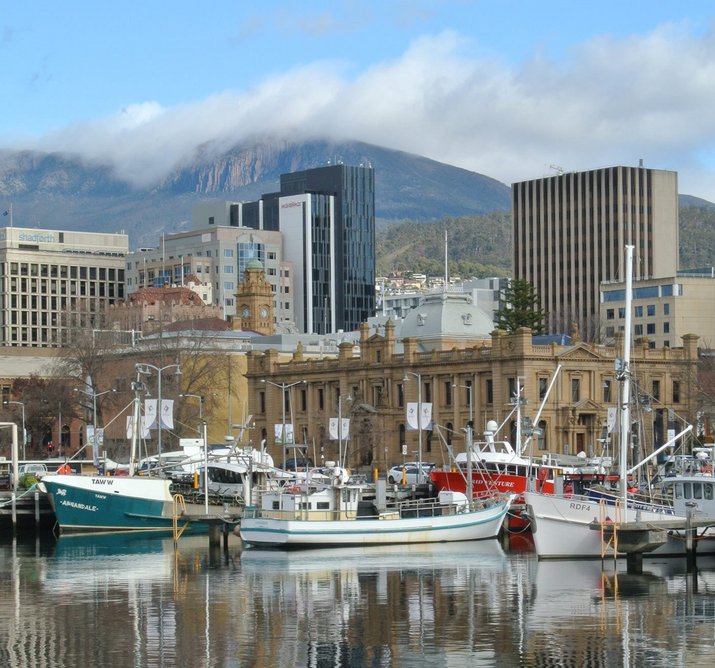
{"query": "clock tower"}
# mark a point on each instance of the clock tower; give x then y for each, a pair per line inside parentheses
(254, 300)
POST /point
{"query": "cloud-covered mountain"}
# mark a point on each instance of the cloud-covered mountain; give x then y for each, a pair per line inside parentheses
(58, 191)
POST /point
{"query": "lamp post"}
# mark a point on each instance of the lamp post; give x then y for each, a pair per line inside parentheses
(201, 403)
(94, 396)
(419, 420)
(24, 432)
(283, 387)
(145, 369)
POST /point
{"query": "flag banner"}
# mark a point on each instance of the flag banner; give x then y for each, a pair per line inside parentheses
(278, 430)
(334, 430)
(167, 413)
(150, 406)
(425, 418)
(611, 422)
(143, 428)
(412, 415)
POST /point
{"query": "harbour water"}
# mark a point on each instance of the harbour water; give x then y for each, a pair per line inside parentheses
(137, 601)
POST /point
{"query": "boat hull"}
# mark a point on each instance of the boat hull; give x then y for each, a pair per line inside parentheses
(105, 503)
(473, 525)
(560, 526)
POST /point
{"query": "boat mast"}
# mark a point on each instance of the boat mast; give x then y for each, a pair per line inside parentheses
(625, 376)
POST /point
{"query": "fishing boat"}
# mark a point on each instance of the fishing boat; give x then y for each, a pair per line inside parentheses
(320, 515)
(561, 521)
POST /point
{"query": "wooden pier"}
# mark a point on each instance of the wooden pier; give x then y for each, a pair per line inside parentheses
(634, 539)
(25, 509)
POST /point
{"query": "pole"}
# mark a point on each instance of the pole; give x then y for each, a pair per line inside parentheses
(161, 418)
(24, 432)
(206, 468)
(283, 425)
(419, 427)
(625, 397)
(340, 431)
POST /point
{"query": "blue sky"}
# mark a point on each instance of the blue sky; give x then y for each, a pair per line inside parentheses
(507, 89)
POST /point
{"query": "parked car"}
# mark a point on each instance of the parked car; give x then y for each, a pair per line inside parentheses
(413, 473)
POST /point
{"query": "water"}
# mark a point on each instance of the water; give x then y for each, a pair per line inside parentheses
(133, 601)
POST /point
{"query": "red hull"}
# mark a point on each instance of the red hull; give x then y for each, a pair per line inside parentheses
(508, 483)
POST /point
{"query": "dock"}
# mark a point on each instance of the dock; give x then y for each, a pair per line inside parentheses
(25, 509)
(634, 539)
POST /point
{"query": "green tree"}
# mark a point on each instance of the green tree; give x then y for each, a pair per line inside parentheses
(521, 308)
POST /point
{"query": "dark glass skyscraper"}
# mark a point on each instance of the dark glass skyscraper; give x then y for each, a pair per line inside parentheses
(339, 275)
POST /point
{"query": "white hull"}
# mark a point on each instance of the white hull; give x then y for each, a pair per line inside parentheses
(473, 525)
(560, 526)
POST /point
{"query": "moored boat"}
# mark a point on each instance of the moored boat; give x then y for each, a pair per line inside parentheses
(310, 515)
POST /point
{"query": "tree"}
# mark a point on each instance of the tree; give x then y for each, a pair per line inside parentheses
(521, 308)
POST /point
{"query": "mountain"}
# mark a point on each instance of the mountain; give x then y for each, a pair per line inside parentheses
(416, 199)
(63, 192)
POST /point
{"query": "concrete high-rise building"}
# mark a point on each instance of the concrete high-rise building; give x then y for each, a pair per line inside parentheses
(570, 231)
(53, 282)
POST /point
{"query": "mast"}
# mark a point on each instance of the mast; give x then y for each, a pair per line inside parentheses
(625, 374)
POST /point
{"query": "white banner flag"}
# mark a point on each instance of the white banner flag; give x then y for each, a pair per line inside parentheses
(278, 431)
(425, 418)
(611, 422)
(334, 431)
(143, 431)
(167, 413)
(150, 413)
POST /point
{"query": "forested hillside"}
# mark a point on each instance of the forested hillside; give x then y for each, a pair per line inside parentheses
(482, 246)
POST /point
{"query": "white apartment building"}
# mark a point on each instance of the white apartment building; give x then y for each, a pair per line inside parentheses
(215, 258)
(54, 281)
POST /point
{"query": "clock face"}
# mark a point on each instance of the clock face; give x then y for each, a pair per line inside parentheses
(245, 312)
(264, 312)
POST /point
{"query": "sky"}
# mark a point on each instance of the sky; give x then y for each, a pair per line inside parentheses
(513, 90)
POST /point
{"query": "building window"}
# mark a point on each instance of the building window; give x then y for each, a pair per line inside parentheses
(610, 314)
(607, 390)
(622, 312)
(489, 391)
(321, 399)
(666, 309)
(400, 396)
(656, 390)
(228, 252)
(304, 400)
(638, 330)
(650, 328)
(261, 402)
(542, 435)
(666, 328)
(610, 332)
(650, 310)
(575, 390)
(638, 311)
(543, 386)
(447, 393)
(676, 391)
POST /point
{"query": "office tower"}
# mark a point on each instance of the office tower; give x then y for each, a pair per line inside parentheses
(570, 231)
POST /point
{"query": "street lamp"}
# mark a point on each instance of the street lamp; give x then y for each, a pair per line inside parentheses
(145, 369)
(201, 403)
(94, 396)
(24, 433)
(419, 419)
(283, 387)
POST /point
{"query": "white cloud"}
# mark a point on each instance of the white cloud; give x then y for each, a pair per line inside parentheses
(613, 101)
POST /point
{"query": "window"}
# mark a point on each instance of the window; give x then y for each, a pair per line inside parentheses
(447, 393)
(656, 390)
(650, 328)
(228, 269)
(650, 310)
(228, 252)
(676, 391)
(610, 314)
(489, 391)
(666, 328)
(610, 332)
(666, 309)
(622, 312)
(575, 390)
(543, 386)
(638, 311)
(607, 391)
(638, 330)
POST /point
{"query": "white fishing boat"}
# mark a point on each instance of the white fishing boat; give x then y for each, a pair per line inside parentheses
(318, 515)
(560, 522)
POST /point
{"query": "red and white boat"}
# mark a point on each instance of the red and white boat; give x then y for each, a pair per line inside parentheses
(497, 466)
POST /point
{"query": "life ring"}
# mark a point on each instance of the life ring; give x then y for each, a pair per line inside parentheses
(65, 469)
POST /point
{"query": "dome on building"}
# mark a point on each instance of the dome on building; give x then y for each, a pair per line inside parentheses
(254, 263)
(447, 319)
